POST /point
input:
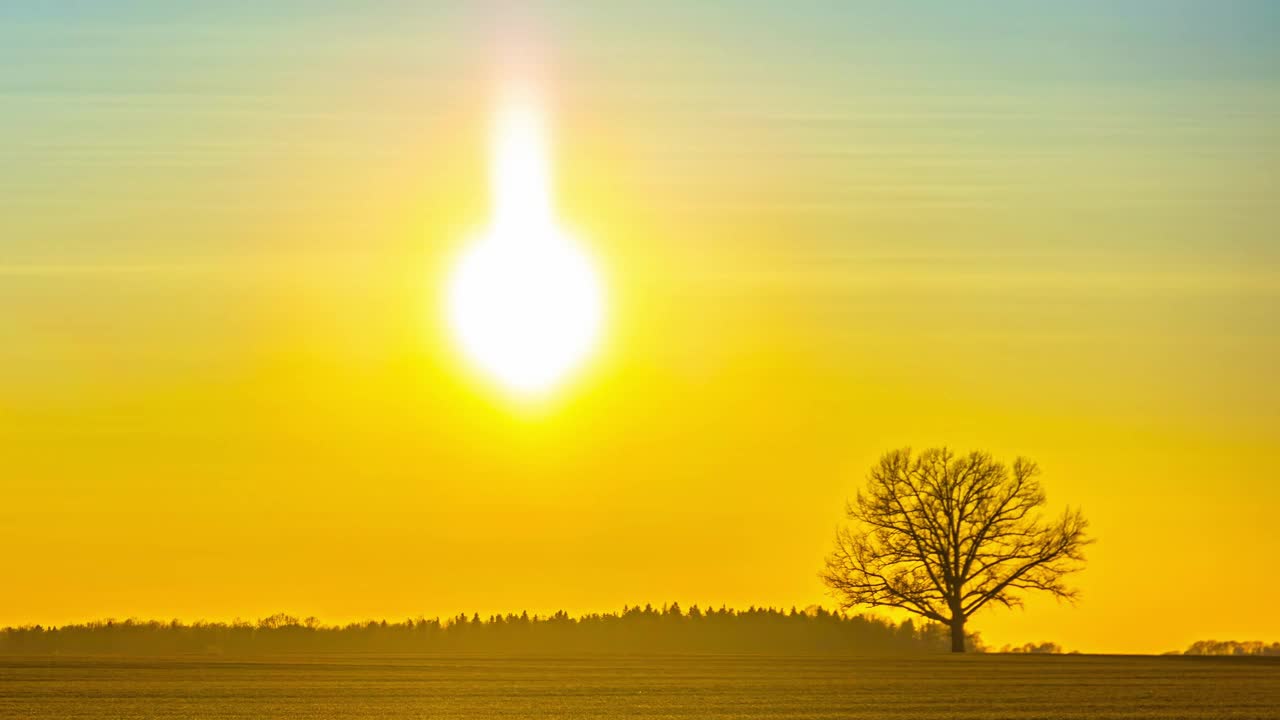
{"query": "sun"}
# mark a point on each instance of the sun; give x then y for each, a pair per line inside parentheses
(524, 301)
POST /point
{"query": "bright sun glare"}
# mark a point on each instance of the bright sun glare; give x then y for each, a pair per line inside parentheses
(524, 301)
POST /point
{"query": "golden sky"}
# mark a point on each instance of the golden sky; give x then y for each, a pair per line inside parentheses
(827, 230)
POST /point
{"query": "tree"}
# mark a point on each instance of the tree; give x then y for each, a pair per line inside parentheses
(942, 536)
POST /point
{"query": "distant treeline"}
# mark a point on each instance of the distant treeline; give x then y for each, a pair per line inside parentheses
(1041, 648)
(646, 629)
(1232, 647)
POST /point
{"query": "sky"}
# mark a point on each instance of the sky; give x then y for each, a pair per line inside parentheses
(826, 230)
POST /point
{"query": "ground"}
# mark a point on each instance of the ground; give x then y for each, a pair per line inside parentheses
(618, 686)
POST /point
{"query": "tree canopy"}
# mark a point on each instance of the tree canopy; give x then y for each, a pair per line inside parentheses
(944, 535)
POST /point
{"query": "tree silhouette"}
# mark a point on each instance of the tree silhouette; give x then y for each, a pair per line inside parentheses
(941, 536)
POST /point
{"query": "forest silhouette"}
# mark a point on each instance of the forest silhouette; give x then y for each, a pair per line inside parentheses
(669, 629)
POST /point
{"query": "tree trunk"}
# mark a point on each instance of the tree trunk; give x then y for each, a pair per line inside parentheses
(957, 635)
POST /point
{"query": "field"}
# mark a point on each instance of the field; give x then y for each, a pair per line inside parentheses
(321, 687)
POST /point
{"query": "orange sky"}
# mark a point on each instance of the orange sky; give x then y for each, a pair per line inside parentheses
(226, 388)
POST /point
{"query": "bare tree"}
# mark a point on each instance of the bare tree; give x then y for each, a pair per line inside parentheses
(942, 535)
